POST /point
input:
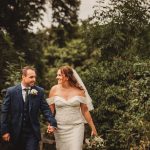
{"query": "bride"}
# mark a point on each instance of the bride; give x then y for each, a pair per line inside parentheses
(70, 102)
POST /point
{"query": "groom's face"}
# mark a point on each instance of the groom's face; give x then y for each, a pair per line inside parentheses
(29, 78)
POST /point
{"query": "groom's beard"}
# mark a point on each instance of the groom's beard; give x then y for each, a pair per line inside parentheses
(30, 84)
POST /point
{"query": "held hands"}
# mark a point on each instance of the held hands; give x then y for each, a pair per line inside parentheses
(6, 137)
(50, 129)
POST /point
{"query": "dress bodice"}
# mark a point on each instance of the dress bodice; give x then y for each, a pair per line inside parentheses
(68, 111)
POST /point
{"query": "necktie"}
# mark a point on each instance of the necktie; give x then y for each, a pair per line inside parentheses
(26, 94)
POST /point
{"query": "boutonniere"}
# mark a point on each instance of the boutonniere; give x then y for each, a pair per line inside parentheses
(33, 92)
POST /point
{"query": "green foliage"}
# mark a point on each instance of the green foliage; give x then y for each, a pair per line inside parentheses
(7, 61)
(14, 59)
(19, 15)
(32, 47)
(119, 88)
(74, 54)
(25, 47)
(120, 92)
(65, 18)
(71, 54)
(120, 28)
(13, 75)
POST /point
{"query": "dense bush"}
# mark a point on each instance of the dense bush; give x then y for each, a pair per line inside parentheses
(120, 92)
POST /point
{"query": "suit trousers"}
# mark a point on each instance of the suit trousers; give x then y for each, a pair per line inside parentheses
(26, 142)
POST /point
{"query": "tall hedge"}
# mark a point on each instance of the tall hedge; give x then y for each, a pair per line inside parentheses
(121, 95)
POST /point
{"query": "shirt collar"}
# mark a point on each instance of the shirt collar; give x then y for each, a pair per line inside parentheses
(23, 87)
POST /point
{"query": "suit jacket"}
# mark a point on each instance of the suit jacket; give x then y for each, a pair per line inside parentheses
(12, 111)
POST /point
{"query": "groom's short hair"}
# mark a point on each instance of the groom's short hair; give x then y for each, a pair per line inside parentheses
(26, 68)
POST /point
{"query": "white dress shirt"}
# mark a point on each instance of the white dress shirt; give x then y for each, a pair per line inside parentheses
(23, 91)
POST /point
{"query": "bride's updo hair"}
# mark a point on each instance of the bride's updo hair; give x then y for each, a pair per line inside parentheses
(68, 72)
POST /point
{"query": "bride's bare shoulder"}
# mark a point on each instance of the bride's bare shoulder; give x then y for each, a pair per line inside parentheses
(53, 90)
(81, 92)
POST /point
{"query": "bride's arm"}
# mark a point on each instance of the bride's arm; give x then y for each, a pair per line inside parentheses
(88, 118)
(51, 95)
(52, 108)
(87, 115)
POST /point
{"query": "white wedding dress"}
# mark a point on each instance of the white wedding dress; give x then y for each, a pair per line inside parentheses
(70, 132)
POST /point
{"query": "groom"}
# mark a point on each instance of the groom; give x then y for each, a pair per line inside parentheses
(20, 111)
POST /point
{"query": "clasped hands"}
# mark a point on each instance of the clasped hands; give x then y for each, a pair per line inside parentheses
(51, 129)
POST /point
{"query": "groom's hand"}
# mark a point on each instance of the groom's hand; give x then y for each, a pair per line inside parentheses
(50, 129)
(6, 137)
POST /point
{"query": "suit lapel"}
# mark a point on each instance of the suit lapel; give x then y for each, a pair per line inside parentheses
(30, 101)
(20, 97)
(31, 98)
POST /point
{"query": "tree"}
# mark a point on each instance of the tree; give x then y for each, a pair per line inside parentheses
(120, 28)
(16, 18)
(18, 15)
(65, 18)
(7, 61)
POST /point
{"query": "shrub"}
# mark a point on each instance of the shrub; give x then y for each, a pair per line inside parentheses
(120, 92)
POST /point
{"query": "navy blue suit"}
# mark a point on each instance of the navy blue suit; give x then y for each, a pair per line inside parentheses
(12, 112)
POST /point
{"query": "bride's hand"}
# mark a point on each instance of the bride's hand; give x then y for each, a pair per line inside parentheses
(94, 133)
(50, 129)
